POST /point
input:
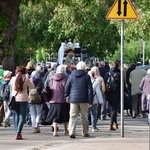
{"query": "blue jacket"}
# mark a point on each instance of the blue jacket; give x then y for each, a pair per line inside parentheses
(79, 87)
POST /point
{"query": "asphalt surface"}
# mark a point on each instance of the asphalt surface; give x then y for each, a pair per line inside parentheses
(136, 137)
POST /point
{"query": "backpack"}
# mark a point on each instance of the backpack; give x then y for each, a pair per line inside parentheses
(111, 85)
(35, 94)
(5, 91)
(34, 97)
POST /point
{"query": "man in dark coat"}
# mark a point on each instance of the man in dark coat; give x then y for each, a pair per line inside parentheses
(79, 91)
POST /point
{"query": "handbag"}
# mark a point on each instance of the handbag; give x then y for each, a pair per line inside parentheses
(12, 104)
(46, 93)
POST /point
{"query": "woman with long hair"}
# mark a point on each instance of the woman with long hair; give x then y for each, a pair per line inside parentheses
(19, 84)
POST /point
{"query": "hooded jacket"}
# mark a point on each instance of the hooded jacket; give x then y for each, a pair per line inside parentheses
(57, 85)
(79, 87)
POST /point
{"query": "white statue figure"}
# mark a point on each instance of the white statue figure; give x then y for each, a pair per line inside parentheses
(61, 53)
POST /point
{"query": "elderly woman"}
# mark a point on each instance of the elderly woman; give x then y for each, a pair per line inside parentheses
(59, 109)
(36, 109)
(145, 87)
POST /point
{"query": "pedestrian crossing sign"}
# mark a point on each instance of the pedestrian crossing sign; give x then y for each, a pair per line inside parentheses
(122, 9)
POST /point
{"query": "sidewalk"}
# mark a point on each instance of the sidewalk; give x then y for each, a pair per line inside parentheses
(136, 137)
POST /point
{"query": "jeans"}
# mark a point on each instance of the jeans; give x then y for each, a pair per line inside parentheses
(35, 112)
(114, 106)
(7, 112)
(93, 113)
(104, 108)
(20, 116)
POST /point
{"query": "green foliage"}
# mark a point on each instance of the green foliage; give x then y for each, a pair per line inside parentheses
(88, 26)
(40, 55)
(3, 25)
(133, 51)
(45, 23)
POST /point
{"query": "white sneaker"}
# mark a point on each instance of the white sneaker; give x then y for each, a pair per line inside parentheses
(94, 130)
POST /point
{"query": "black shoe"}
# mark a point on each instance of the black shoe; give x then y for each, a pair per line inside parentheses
(72, 136)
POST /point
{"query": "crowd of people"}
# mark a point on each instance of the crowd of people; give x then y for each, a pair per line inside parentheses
(75, 91)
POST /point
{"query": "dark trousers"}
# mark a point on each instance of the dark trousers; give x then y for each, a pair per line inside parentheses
(1, 111)
(114, 108)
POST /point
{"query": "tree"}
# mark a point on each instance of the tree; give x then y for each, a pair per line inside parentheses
(88, 26)
(9, 14)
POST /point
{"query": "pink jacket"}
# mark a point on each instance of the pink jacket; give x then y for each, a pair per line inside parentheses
(57, 85)
(21, 96)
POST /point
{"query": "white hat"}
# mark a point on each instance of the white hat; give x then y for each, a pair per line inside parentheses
(7, 73)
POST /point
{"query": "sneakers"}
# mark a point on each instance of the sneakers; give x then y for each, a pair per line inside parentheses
(95, 130)
(18, 137)
(36, 130)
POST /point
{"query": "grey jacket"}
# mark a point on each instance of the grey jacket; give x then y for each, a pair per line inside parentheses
(135, 79)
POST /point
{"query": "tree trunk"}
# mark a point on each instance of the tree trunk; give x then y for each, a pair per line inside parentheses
(10, 9)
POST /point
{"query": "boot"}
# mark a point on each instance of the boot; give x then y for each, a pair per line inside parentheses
(116, 126)
(112, 128)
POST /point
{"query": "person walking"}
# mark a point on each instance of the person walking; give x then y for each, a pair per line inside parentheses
(135, 78)
(98, 100)
(36, 108)
(145, 87)
(79, 91)
(5, 92)
(59, 108)
(19, 84)
(102, 113)
(114, 97)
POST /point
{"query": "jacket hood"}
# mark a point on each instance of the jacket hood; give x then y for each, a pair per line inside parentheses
(5, 81)
(58, 76)
(78, 73)
(35, 80)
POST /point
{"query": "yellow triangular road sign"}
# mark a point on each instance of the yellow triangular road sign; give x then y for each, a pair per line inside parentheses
(122, 9)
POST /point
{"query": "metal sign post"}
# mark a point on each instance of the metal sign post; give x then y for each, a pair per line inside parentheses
(122, 79)
(121, 10)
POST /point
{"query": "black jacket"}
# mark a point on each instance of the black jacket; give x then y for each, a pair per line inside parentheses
(79, 87)
(114, 96)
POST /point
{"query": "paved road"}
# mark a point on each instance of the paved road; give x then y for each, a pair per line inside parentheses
(136, 137)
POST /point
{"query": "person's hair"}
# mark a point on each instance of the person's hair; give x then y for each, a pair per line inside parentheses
(95, 70)
(61, 69)
(30, 65)
(102, 63)
(35, 74)
(91, 74)
(81, 65)
(20, 70)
